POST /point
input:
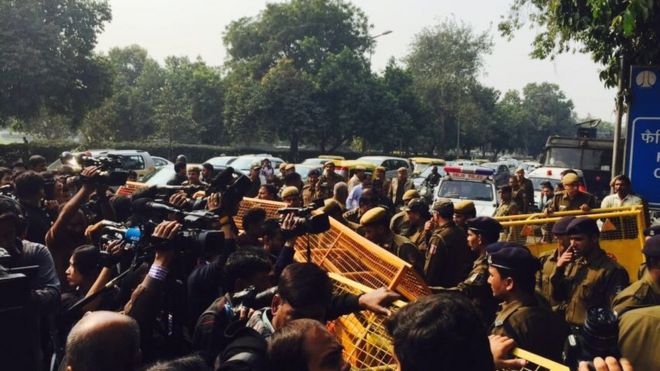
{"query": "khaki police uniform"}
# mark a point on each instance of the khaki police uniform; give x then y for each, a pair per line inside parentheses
(639, 337)
(477, 289)
(643, 293)
(506, 209)
(563, 202)
(590, 281)
(405, 249)
(447, 257)
(548, 260)
(326, 184)
(533, 326)
(309, 193)
(519, 197)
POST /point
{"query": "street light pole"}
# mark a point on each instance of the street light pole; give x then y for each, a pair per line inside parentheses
(371, 52)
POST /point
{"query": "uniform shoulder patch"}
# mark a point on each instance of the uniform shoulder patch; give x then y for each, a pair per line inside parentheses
(478, 279)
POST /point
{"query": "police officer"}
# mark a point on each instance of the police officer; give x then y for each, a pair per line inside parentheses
(646, 291)
(482, 231)
(447, 255)
(507, 207)
(291, 196)
(518, 194)
(522, 317)
(310, 190)
(571, 198)
(585, 277)
(368, 200)
(417, 214)
(548, 260)
(527, 187)
(464, 210)
(375, 224)
(399, 186)
(327, 180)
(399, 223)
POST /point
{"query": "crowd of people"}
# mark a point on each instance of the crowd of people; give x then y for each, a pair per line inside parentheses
(163, 279)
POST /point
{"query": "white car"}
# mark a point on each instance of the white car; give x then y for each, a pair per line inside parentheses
(391, 164)
(549, 174)
(469, 183)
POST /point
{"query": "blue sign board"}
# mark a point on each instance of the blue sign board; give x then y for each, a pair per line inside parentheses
(643, 143)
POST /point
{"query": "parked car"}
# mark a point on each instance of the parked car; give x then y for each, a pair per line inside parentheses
(469, 183)
(243, 163)
(501, 170)
(552, 175)
(346, 168)
(304, 169)
(220, 163)
(160, 162)
(391, 164)
(419, 178)
(137, 160)
(163, 175)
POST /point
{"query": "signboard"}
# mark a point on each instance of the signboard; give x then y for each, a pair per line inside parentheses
(643, 144)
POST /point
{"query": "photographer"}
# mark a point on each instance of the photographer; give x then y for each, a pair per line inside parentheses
(247, 267)
(43, 284)
(253, 221)
(68, 231)
(29, 189)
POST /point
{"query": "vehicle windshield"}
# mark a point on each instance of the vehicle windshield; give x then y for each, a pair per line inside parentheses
(220, 161)
(428, 170)
(536, 182)
(579, 158)
(315, 161)
(466, 190)
(160, 177)
(375, 161)
(244, 162)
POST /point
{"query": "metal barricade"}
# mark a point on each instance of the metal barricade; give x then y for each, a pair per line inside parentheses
(621, 236)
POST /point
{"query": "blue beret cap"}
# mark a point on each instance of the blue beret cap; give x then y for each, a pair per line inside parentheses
(484, 224)
(583, 226)
(562, 224)
(652, 247)
(516, 258)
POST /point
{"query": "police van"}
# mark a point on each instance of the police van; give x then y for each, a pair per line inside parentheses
(473, 183)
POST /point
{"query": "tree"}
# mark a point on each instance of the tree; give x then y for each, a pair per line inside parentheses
(128, 114)
(608, 30)
(46, 58)
(445, 62)
(306, 32)
(546, 111)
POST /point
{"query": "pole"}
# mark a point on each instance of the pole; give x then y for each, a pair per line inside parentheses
(458, 137)
(616, 151)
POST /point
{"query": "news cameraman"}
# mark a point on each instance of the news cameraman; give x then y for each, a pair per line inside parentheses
(29, 189)
(44, 284)
(68, 231)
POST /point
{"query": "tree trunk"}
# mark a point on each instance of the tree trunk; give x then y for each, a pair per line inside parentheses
(293, 147)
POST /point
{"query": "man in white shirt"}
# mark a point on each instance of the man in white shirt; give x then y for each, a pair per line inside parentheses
(622, 194)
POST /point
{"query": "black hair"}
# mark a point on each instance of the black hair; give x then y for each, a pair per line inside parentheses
(440, 332)
(368, 198)
(253, 217)
(178, 166)
(207, 166)
(524, 280)
(286, 346)
(305, 284)
(489, 237)
(87, 259)
(36, 160)
(244, 263)
(132, 173)
(4, 171)
(272, 190)
(28, 183)
(271, 227)
(292, 179)
(187, 363)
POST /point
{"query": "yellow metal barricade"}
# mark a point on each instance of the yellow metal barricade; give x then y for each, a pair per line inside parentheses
(621, 232)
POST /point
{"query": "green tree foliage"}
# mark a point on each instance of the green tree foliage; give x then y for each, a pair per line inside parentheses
(129, 113)
(606, 29)
(46, 58)
(542, 110)
(445, 62)
(303, 31)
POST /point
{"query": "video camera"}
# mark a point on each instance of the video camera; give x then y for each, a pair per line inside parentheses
(231, 189)
(597, 338)
(304, 221)
(111, 167)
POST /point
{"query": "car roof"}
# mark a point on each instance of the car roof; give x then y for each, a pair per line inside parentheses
(554, 172)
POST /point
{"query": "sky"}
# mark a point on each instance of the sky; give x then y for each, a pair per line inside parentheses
(195, 27)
